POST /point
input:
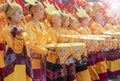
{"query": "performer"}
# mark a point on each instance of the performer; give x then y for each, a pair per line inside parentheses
(84, 30)
(109, 26)
(55, 71)
(3, 23)
(96, 27)
(17, 59)
(38, 38)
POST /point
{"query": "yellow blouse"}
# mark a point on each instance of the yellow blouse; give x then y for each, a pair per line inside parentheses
(84, 31)
(38, 38)
(96, 29)
(16, 44)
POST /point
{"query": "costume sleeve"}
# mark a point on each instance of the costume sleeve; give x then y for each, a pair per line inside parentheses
(32, 36)
(16, 44)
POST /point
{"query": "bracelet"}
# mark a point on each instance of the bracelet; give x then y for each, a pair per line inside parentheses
(19, 38)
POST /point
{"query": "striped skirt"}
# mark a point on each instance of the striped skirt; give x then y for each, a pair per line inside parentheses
(101, 65)
(17, 66)
(92, 57)
(39, 67)
(55, 72)
(113, 62)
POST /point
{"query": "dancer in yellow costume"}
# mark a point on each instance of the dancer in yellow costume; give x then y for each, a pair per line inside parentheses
(55, 71)
(74, 25)
(109, 26)
(38, 38)
(84, 30)
(84, 20)
(17, 60)
(3, 22)
(81, 68)
(96, 27)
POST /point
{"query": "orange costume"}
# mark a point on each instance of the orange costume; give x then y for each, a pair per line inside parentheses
(2, 25)
(96, 29)
(84, 31)
(38, 38)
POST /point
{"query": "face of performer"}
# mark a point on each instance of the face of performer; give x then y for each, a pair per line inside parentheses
(84, 22)
(66, 21)
(17, 17)
(56, 20)
(99, 18)
(39, 12)
(74, 24)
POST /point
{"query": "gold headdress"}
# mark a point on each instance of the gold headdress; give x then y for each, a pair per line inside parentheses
(32, 2)
(81, 12)
(51, 10)
(96, 10)
(10, 8)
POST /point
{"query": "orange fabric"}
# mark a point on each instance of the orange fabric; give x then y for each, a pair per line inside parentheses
(84, 31)
(101, 67)
(14, 43)
(93, 73)
(113, 65)
(38, 38)
(46, 25)
(108, 27)
(83, 76)
(96, 29)
(3, 22)
(54, 34)
(27, 18)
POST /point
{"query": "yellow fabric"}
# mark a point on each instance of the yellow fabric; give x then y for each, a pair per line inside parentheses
(113, 65)
(10, 77)
(108, 27)
(19, 74)
(64, 39)
(3, 22)
(84, 31)
(38, 38)
(54, 34)
(27, 18)
(101, 67)
(96, 29)
(83, 76)
(93, 73)
(2, 64)
(36, 63)
(46, 25)
(73, 32)
(15, 44)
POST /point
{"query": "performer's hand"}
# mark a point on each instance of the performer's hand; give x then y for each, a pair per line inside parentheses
(19, 31)
(16, 31)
